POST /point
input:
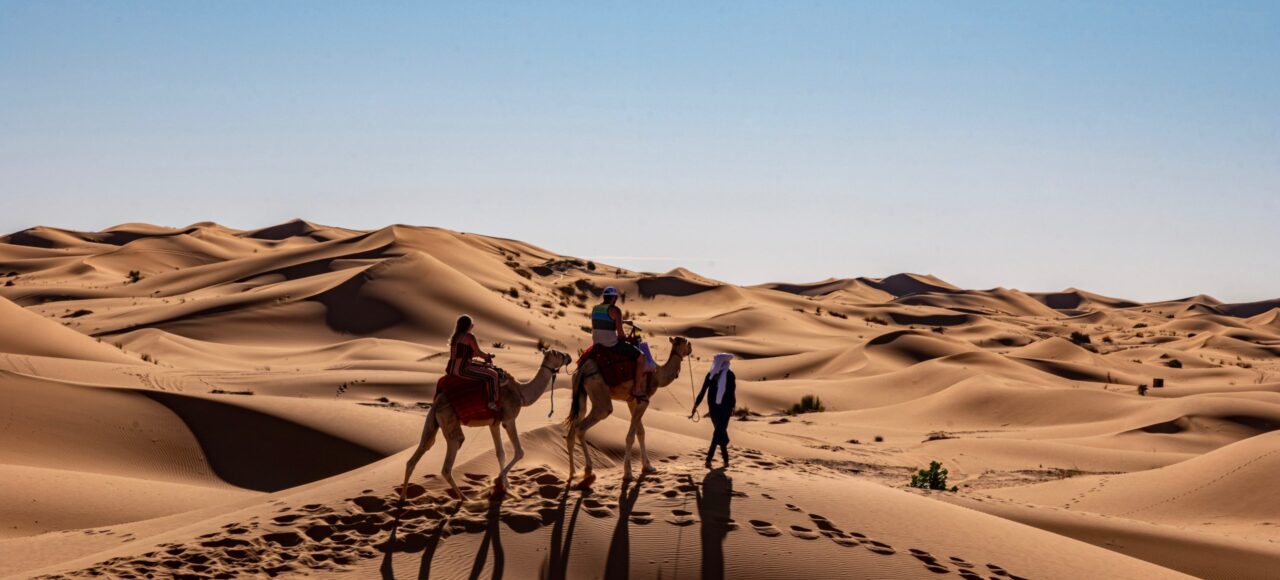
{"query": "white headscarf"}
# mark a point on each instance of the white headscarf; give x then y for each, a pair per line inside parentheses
(720, 365)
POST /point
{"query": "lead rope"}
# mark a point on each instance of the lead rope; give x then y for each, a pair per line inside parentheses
(554, 374)
(693, 396)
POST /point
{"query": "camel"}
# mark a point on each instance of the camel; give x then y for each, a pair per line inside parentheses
(589, 384)
(515, 396)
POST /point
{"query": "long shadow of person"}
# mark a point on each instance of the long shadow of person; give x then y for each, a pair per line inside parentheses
(618, 564)
(714, 511)
(561, 541)
(492, 535)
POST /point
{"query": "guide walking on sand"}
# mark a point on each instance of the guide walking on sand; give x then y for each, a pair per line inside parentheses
(723, 386)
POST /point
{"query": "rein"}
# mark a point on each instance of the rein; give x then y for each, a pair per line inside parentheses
(555, 373)
(693, 396)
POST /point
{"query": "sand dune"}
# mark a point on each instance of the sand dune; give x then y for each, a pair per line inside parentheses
(208, 400)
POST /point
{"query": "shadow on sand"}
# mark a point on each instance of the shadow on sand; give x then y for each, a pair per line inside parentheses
(430, 542)
(713, 506)
(557, 564)
(619, 563)
(714, 511)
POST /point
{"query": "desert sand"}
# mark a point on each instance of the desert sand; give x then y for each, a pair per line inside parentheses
(211, 402)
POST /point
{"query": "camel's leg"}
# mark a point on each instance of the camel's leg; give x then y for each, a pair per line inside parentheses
(568, 446)
(428, 439)
(646, 465)
(453, 440)
(514, 436)
(499, 482)
(637, 412)
(601, 408)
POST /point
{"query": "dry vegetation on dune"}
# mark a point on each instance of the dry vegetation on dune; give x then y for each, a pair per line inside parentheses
(212, 402)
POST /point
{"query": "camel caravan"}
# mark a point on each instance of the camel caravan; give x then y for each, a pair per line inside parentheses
(473, 393)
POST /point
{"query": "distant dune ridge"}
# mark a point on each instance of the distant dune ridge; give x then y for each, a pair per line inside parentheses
(206, 400)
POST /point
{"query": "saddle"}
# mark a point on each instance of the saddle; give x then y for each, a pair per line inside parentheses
(615, 369)
(469, 399)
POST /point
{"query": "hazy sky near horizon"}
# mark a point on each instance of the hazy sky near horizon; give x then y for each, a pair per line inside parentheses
(1128, 148)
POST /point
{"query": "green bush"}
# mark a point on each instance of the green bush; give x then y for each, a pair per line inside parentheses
(808, 404)
(134, 276)
(933, 478)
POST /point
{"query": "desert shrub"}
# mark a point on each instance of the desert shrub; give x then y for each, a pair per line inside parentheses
(134, 276)
(1174, 364)
(939, 435)
(808, 404)
(742, 413)
(527, 275)
(591, 266)
(1108, 340)
(78, 313)
(933, 478)
(1140, 325)
(839, 315)
(225, 392)
(513, 292)
(1080, 337)
(663, 315)
(1142, 389)
(499, 344)
(879, 439)
(875, 320)
(938, 329)
(9, 283)
(585, 328)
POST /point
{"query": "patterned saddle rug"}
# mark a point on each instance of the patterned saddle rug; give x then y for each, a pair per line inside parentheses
(469, 399)
(614, 368)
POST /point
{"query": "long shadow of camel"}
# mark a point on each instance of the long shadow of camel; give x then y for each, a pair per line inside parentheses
(557, 565)
(618, 564)
(431, 542)
(492, 535)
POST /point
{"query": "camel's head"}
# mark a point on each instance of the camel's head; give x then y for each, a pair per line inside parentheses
(556, 359)
(681, 346)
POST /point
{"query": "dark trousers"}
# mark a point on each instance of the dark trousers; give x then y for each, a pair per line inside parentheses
(720, 434)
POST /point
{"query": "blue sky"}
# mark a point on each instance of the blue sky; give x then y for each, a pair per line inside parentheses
(1127, 148)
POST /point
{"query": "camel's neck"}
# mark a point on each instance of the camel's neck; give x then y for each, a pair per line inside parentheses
(532, 390)
(670, 370)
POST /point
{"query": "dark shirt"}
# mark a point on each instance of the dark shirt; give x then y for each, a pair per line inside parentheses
(709, 391)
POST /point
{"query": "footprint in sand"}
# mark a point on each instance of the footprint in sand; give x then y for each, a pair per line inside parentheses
(793, 507)
(804, 533)
(880, 548)
(681, 518)
(765, 528)
(930, 562)
(960, 562)
(641, 518)
(824, 524)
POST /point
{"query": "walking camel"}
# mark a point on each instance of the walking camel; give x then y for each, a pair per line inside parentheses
(515, 396)
(589, 384)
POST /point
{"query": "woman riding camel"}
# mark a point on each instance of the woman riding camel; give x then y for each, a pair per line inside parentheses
(723, 386)
(463, 349)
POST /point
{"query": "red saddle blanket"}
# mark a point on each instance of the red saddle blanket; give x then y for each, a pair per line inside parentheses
(468, 397)
(615, 368)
